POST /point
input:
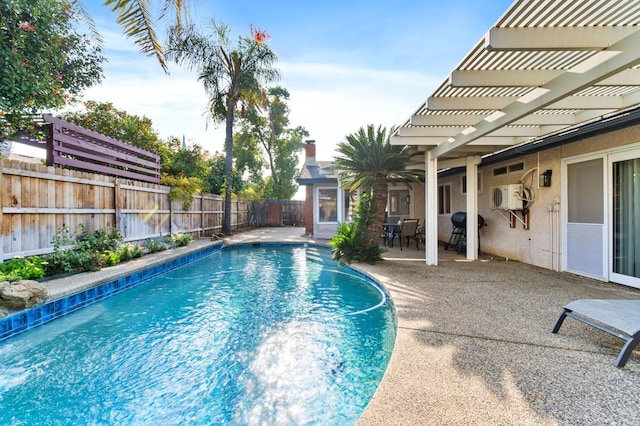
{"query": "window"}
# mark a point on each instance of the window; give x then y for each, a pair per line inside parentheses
(500, 171)
(444, 199)
(463, 183)
(399, 203)
(517, 167)
(510, 168)
(327, 204)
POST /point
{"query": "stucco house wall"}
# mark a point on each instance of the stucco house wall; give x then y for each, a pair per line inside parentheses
(540, 244)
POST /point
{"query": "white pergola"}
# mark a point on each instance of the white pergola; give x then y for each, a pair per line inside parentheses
(545, 66)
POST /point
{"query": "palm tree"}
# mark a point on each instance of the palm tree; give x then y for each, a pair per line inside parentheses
(137, 21)
(367, 160)
(233, 77)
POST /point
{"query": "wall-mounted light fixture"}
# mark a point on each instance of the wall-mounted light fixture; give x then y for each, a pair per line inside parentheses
(407, 199)
(545, 178)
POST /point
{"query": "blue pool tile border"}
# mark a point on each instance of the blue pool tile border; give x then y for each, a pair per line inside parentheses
(22, 321)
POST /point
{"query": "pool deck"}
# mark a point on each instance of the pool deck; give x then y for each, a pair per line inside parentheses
(474, 345)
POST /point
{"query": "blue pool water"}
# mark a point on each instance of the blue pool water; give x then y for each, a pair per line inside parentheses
(264, 335)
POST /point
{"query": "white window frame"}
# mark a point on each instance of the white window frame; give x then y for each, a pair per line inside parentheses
(463, 183)
(318, 205)
(444, 210)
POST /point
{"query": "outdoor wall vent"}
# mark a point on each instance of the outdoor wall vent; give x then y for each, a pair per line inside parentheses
(506, 197)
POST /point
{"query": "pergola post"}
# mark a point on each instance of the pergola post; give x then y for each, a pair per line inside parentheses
(472, 206)
(431, 209)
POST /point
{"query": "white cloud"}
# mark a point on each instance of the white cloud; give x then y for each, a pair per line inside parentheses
(333, 101)
(330, 97)
(329, 100)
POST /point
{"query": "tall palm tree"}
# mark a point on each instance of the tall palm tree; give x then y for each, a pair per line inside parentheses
(137, 21)
(233, 76)
(367, 160)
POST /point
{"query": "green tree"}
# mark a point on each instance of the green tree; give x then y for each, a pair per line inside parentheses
(105, 118)
(189, 162)
(215, 182)
(233, 76)
(138, 23)
(45, 59)
(266, 140)
(366, 160)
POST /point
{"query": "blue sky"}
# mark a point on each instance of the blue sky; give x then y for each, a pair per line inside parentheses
(345, 63)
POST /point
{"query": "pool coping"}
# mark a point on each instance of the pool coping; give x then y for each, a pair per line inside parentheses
(71, 293)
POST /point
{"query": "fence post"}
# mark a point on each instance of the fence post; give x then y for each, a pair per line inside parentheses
(201, 233)
(117, 205)
(170, 215)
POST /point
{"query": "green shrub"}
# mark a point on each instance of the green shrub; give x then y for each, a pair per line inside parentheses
(101, 240)
(110, 258)
(129, 251)
(89, 252)
(156, 245)
(67, 261)
(351, 243)
(87, 261)
(180, 240)
(20, 268)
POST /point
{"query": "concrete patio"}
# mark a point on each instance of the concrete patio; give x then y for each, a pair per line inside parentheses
(474, 344)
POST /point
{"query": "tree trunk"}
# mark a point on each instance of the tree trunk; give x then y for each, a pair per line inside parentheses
(228, 168)
(379, 201)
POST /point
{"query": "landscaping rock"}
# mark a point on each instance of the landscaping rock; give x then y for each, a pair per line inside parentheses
(22, 294)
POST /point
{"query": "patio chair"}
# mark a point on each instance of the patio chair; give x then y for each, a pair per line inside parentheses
(408, 231)
(609, 315)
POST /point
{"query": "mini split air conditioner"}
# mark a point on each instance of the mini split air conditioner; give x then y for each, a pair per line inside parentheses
(506, 197)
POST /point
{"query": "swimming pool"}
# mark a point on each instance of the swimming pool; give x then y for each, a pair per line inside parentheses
(246, 335)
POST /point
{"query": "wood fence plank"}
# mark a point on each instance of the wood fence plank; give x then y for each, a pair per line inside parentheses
(16, 232)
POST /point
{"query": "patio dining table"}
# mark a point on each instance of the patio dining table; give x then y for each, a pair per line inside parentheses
(391, 230)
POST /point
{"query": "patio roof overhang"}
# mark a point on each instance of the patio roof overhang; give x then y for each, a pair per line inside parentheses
(543, 67)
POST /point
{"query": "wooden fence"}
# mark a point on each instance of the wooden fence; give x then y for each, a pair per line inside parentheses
(36, 201)
(277, 213)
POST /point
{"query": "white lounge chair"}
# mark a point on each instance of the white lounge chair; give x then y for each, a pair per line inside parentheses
(620, 318)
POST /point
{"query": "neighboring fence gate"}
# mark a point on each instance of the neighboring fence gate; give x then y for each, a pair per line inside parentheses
(277, 213)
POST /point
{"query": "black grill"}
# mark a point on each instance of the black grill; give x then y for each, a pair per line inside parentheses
(459, 220)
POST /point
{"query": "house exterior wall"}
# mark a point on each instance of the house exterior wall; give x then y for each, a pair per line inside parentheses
(540, 244)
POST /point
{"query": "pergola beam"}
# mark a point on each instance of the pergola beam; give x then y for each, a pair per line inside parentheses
(555, 38)
(550, 119)
(500, 102)
(529, 78)
(628, 55)
(502, 78)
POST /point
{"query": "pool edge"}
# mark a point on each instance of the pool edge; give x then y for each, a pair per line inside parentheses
(67, 295)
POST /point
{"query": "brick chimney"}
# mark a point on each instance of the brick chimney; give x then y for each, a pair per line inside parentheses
(310, 153)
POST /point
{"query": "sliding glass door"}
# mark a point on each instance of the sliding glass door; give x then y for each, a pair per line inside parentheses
(625, 218)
